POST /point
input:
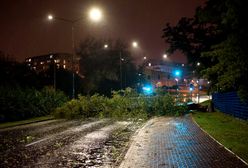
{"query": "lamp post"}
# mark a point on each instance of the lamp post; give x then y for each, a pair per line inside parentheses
(120, 59)
(134, 45)
(95, 15)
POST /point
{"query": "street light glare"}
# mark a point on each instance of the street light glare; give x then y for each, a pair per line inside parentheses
(165, 56)
(50, 17)
(135, 44)
(95, 14)
(106, 46)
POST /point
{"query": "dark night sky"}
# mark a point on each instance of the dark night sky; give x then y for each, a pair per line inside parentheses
(25, 31)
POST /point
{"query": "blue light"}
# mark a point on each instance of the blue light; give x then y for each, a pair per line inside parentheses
(191, 89)
(147, 90)
(177, 73)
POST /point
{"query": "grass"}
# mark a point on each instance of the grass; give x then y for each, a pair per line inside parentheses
(205, 103)
(231, 132)
(28, 121)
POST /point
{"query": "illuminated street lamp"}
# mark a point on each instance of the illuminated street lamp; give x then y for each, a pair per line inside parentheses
(149, 64)
(95, 15)
(134, 44)
(106, 46)
(144, 58)
(50, 17)
(165, 56)
(198, 64)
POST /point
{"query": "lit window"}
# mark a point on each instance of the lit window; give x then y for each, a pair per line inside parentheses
(64, 61)
(34, 68)
(41, 63)
(51, 56)
(64, 66)
(29, 60)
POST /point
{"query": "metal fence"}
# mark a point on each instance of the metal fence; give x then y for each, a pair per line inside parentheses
(231, 104)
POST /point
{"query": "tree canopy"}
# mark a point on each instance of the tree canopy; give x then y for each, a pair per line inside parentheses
(217, 38)
(101, 67)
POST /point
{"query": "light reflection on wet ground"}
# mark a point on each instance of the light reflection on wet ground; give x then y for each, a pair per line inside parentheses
(75, 144)
(176, 143)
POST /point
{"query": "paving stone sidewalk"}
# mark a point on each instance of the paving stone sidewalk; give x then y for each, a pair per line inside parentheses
(177, 142)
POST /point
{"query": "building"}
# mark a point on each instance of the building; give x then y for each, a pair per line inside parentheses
(59, 60)
(166, 74)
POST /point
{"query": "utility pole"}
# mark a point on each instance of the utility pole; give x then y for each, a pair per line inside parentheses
(73, 65)
(120, 55)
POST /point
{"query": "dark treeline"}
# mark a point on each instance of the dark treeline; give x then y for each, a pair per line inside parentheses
(26, 93)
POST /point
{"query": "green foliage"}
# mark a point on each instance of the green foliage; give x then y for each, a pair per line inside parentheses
(229, 131)
(19, 104)
(216, 37)
(123, 104)
(230, 71)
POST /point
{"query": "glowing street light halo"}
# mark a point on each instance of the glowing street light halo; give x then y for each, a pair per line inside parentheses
(50, 17)
(95, 14)
(105, 46)
(135, 44)
(165, 56)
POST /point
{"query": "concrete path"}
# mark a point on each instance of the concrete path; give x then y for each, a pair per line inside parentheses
(174, 143)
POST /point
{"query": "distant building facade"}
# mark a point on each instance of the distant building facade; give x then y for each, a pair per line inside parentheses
(59, 60)
(166, 74)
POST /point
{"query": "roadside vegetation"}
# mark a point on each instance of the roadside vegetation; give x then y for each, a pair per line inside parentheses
(20, 104)
(124, 104)
(229, 131)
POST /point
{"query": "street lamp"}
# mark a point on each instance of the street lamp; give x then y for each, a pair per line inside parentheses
(165, 56)
(135, 44)
(106, 46)
(95, 15)
(50, 17)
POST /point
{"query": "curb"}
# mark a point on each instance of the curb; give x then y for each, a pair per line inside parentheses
(218, 141)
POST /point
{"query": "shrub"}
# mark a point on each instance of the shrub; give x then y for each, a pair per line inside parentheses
(122, 105)
(18, 103)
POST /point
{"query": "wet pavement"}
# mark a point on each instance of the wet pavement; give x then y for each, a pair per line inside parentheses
(175, 143)
(162, 142)
(61, 143)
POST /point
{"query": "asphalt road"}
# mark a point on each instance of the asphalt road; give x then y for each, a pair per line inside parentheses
(60, 143)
